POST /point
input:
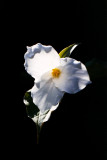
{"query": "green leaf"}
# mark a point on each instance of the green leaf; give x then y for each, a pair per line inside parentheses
(66, 52)
(34, 113)
(31, 108)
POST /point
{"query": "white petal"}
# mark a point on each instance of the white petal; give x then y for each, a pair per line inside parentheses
(40, 59)
(74, 76)
(47, 95)
(44, 116)
(47, 116)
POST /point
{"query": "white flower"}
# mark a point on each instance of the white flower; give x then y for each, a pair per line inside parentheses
(53, 75)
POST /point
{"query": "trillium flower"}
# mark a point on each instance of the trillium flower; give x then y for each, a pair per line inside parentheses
(53, 76)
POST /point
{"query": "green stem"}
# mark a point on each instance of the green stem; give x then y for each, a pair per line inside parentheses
(38, 134)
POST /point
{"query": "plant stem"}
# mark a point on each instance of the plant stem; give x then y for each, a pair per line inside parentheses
(38, 133)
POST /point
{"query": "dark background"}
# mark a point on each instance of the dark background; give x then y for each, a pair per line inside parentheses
(79, 123)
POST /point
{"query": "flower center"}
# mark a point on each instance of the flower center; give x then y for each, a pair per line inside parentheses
(56, 73)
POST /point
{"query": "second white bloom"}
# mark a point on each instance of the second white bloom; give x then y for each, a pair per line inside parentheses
(53, 75)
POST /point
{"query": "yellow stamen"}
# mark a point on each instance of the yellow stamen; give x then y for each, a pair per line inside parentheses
(56, 73)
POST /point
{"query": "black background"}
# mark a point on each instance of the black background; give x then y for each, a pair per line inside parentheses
(79, 123)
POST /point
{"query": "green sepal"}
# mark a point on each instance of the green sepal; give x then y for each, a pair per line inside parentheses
(33, 111)
(66, 52)
(31, 108)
